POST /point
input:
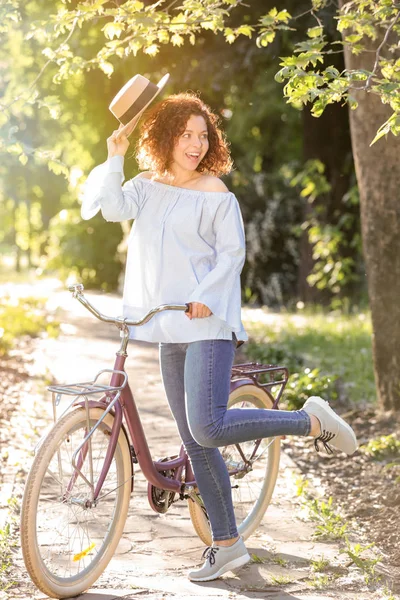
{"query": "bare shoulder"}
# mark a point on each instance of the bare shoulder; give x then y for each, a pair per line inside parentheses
(209, 183)
(145, 175)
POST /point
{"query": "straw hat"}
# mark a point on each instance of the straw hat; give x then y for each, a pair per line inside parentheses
(130, 102)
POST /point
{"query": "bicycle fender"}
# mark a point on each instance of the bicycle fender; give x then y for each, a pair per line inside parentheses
(237, 383)
(103, 405)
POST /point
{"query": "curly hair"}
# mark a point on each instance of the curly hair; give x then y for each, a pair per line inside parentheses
(167, 121)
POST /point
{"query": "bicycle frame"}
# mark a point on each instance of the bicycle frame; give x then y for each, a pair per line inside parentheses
(126, 406)
(118, 399)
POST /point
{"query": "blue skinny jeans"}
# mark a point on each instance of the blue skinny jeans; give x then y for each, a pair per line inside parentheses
(196, 377)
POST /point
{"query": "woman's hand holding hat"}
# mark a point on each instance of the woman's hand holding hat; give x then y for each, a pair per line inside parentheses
(128, 106)
(117, 143)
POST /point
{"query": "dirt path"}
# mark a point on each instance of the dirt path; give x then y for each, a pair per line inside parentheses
(156, 551)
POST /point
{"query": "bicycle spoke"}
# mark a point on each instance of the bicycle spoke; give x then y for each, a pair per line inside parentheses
(68, 533)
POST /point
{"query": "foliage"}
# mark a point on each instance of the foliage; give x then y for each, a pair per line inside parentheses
(335, 238)
(338, 345)
(281, 579)
(319, 564)
(331, 525)
(319, 581)
(366, 565)
(274, 354)
(75, 39)
(8, 545)
(85, 252)
(278, 560)
(25, 316)
(309, 79)
(309, 383)
(382, 447)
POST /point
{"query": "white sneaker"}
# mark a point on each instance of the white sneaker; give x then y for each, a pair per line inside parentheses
(220, 560)
(333, 428)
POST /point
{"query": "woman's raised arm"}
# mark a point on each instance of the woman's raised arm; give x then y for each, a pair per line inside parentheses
(103, 188)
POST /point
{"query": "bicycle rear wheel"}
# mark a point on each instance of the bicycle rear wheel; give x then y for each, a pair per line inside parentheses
(251, 489)
(67, 543)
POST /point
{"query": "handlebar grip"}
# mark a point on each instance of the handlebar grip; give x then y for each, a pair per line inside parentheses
(187, 307)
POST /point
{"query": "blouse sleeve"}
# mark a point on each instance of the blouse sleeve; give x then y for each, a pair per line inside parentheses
(103, 191)
(220, 289)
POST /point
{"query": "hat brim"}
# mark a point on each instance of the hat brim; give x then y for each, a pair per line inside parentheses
(129, 127)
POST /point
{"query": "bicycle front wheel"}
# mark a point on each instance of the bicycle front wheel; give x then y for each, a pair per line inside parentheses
(67, 541)
(252, 487)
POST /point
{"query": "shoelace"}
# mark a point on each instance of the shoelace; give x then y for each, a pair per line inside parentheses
(209, 553)
(324, 437)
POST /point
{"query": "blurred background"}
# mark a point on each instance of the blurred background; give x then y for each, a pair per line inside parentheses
(293, 175)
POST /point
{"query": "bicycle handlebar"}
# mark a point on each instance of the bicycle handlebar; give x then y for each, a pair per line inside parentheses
(77, 289)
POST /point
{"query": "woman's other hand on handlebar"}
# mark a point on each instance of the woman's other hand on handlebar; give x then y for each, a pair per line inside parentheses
(198, 311)
(117, 143)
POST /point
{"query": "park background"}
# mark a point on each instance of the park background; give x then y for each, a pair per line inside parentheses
(308, 96)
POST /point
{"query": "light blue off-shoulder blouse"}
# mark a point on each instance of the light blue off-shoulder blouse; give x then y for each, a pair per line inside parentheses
(184, 246)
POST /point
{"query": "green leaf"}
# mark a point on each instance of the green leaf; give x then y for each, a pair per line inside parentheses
(177, 40)
(265, 38)
(163, 36)
(106, 67)
(245, 30)
(152, 50)
(267, 20)
(135, 46)
(332, 72)
(314, 32)
(283, 15)
(352, 39)
(112, 30)
(319, 107)
(283, 74)
(352, 102)
(391, 125)
(136, 5)
(229, 35)
(57, 168)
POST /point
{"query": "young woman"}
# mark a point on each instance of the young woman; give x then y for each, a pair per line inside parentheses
(187, 245)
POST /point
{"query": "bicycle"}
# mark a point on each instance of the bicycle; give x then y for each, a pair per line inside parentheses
(77, 493)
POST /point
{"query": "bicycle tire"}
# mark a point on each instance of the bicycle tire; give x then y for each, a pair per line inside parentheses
(260, 398)
(41, 488)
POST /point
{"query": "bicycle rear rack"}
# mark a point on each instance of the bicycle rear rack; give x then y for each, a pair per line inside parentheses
(84, 390)
(276, 376)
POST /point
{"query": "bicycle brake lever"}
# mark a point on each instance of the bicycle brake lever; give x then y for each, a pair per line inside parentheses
(76, 288)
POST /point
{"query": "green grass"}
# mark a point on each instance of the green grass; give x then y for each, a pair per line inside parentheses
(319, 564)
(382, 447)
(339, 346)
(367, 565)
(23, 316)
(281, 579)
(8, 544)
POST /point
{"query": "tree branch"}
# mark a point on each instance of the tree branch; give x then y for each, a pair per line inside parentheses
(378, 51)
(30, 88)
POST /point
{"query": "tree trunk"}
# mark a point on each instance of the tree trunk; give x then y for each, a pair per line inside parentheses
(378, 176)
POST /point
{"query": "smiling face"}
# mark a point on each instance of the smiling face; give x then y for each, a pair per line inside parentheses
(192, 144)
